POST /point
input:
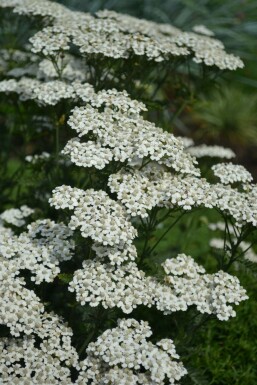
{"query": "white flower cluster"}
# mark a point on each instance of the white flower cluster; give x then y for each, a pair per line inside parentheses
(124, 137)
(34, 159)
(20, 308)
(44, 357)
(143, 38)
(211, 293)
(115, 255)
(211, 151)
(117, 100)
(39, 8)
(141, 190)
(16, 217)
(229, 173)
(52, 91)
(44, 93)
(120, 36)
(127, 287)
(89, 154)
(40, 249)
(241, 206)
(51, 40)
(22, 362)
(97, 216)
(123, 356)
(39, 350)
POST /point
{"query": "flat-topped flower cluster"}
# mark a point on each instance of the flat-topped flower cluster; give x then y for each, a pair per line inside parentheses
(124, 356)
(187, 284)
(113, 35)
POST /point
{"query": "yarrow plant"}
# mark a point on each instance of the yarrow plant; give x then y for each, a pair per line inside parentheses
(81, 279)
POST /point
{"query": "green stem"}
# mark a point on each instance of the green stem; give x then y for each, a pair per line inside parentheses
(179, 111)
(57, 141)
(166, 232)
(98, 320)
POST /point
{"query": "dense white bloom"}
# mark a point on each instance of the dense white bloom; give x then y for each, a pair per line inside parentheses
(125, 287)
(229, 173)
(211, 151)
(87, 154)
(186, 284)
(8, 85)
(141, 190)
(49, 356)
(50, 92)
(119, 354)
(117, 100)
(241, 206)
(22, 362)
(40, 8)
(157, 172)
(131, 137)
(120, 36)
(17, 217)
(22, 312)
(208, 51)
(40, 249)
(21, 309)
(211, 293)
(97, 216)
(44, 93)
(29, 360)
(51, 40)
(115, 255)
(183, 265)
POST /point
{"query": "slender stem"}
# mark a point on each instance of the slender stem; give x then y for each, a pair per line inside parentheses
(57, 141)
(233, 256)
(160, 84)
(244, 251)
(148, 230)
(144, 164)
(98, 319)
(179, 111)
(166, 232)
(165, 216)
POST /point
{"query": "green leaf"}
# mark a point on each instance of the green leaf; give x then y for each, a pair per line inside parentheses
(66, 278)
